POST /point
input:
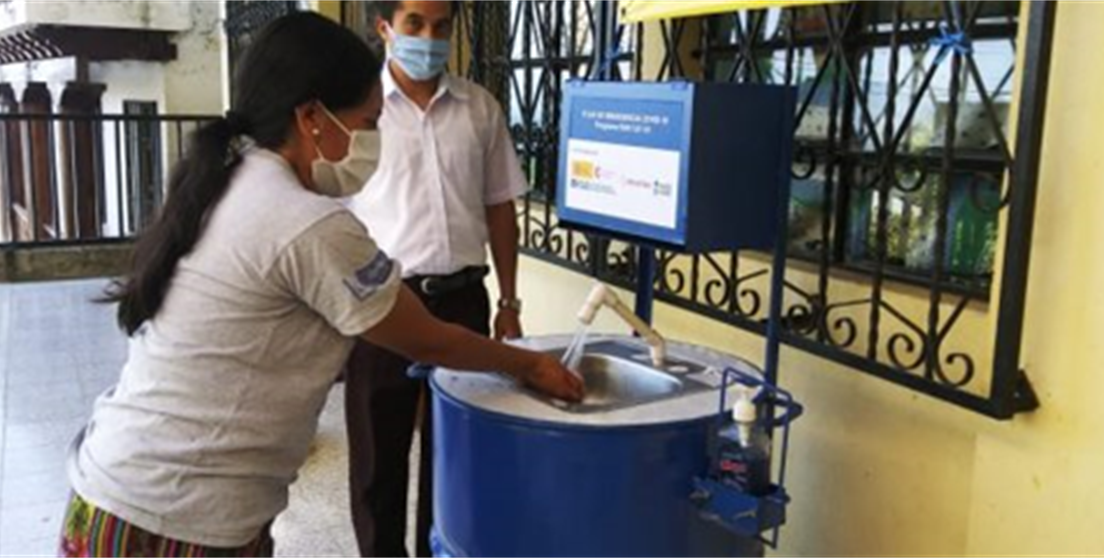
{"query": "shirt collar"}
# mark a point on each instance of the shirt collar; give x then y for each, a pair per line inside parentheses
(253, 150)
(448, 84)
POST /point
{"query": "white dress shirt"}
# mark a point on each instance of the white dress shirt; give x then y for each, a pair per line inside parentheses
(439, 170)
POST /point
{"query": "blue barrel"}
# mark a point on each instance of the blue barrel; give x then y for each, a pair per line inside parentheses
(511, 485)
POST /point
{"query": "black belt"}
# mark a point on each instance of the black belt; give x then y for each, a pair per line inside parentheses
(437, 285)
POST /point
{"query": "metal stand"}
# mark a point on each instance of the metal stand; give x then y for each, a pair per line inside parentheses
(645, 283)
(744, 514)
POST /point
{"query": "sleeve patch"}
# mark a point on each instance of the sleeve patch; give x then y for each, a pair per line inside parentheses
(368, 279)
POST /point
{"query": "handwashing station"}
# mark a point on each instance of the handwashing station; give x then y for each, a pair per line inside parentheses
(669, 454)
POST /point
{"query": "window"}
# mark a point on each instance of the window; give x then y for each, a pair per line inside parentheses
(142, 140)
(902, 171)
(882, 178)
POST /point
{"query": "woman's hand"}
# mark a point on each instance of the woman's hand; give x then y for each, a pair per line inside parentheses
(551, 377)
(410, 330)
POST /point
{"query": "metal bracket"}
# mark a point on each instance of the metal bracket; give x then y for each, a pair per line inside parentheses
(746, 515)
(1024, 398)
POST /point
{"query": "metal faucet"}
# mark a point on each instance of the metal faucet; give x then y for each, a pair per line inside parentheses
(602, 295)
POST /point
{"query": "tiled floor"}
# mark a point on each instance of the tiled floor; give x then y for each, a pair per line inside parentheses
(58, 351)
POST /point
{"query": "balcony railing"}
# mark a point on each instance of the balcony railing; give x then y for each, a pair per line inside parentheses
(67, 179)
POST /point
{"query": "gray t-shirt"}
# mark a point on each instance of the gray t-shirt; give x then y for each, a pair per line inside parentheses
(219, 399)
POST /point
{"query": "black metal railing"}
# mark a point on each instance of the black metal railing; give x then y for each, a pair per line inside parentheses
(67, 179)
(903, 171)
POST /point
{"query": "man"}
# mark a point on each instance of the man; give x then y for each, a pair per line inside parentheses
(444, 191)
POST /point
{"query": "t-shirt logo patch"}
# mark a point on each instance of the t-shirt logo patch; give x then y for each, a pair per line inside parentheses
(368, 279)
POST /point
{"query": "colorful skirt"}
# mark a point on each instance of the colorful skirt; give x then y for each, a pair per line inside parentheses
(90, 531)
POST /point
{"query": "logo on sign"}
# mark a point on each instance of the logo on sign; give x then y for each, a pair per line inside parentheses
(584, 170)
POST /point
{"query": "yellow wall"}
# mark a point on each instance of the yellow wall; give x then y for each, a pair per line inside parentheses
(328, 8)
(1039, 482)
(878, 470)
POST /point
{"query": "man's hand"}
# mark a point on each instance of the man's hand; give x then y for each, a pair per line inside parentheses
(507, 324)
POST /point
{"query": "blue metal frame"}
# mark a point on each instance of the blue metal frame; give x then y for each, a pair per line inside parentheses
(778, 273)
(645, 283)
(742, 513)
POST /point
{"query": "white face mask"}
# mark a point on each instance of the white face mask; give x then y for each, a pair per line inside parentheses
(344, 178)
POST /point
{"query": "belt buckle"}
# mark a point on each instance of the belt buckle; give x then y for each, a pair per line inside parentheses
(426, 285)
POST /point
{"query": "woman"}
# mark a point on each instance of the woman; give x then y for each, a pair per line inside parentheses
(242, 305)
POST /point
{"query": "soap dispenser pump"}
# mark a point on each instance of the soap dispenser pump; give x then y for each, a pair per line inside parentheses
(745, 446)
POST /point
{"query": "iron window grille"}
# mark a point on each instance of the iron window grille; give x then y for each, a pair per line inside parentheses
(903, 170)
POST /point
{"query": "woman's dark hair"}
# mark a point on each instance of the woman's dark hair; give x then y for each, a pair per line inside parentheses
(296, 59)
(387, 8)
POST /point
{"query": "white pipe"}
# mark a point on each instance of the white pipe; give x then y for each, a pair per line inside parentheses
(599, 295)
(603, 295)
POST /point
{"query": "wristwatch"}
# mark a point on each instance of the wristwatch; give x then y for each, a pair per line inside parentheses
(509, 303)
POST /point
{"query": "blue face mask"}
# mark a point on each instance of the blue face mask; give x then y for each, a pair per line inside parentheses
(420, 58)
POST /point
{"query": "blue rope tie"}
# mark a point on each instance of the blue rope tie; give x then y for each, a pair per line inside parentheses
(611, 57)
(612, 54)
(951, 41)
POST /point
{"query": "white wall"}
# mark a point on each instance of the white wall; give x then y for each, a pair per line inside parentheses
(133, 14)
(194, 81)
(12, 13)
(192, 84)
(54, 72)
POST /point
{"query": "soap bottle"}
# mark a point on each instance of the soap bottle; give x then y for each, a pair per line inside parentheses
(744, 449)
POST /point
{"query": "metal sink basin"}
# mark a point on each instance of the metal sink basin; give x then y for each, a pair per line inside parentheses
(614, 381)
(618, 375)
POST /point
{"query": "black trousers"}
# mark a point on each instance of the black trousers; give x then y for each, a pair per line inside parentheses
(381, 411)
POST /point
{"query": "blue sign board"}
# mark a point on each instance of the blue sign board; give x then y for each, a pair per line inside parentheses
(651, 162)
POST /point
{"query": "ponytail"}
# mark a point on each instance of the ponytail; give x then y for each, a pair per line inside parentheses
(197, 183)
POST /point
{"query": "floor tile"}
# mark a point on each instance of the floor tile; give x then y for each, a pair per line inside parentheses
(37, 434)
(43, 546)
(94, 384)
(22, 491)
(44, 391)
(62, 402)
(36, 373)
(346, 541)
(46, 459)
(33, 522)
(311, 543)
